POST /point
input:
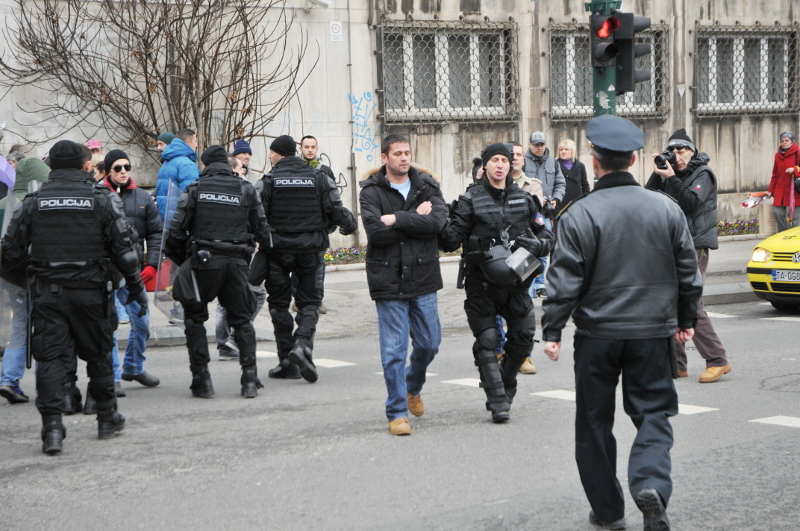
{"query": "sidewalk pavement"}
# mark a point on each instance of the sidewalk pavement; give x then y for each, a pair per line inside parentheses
(351, 311)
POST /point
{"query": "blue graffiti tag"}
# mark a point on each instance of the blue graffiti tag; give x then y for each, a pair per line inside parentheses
(363, 108)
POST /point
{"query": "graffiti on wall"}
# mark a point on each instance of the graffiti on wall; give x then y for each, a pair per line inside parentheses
(363, 107)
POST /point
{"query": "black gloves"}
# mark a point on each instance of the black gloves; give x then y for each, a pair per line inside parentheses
(531, 245)
(141, 298)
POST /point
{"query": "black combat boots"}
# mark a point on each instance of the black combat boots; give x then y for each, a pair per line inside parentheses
(250, 383)
(53, 433)
(72, 399)
(109, 423)
(300, 355)
(285, 369)
(201, 384)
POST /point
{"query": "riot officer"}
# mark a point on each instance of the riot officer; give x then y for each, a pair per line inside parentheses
(212, 237)
(300, 203)
(67, 238)
(491, 219)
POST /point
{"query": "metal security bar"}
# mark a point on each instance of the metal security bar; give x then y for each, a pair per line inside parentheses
(746, 70)
(571, 75)
(434, 71)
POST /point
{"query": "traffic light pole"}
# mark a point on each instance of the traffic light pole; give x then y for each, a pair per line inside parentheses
(604, 92)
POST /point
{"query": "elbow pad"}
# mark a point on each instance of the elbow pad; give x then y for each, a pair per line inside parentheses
(128, 262)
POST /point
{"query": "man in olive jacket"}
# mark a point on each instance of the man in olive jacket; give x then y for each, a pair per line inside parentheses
(403, 210)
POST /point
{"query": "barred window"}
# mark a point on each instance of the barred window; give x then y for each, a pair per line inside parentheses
(448, 71)
(745, 69)
(571, 75)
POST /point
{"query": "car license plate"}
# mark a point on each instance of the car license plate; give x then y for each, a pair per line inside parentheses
(785, 276)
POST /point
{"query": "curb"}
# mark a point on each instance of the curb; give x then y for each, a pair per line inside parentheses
(741, 237)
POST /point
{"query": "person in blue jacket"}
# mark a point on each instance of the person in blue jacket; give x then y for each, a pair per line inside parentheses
(180, 166)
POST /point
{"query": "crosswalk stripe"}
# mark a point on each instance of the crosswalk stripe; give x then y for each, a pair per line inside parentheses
(791, 422)
(266, 354)
(469, 382)
(720, 315)
(562, 394)
(331, 364)
(790, 319)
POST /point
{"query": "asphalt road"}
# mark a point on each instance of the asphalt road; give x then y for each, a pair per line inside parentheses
(319, 457)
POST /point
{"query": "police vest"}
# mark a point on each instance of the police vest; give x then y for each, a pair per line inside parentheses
(295, 203)
(491, 219)
(221, 213)
(66, 228)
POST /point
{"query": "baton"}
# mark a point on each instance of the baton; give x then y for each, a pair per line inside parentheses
(196, 289)
(28, 330)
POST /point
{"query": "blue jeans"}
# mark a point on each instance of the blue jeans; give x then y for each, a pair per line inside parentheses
(538, 282)
(14, 358)
(397, 319)
(137, 341)
(501, 335)
(122, 313)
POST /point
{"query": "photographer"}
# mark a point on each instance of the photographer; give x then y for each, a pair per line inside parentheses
(683, 174)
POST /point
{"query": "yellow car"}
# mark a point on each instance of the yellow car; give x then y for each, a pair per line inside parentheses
(774, 270)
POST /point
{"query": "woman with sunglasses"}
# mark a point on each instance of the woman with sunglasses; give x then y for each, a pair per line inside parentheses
(142, 214)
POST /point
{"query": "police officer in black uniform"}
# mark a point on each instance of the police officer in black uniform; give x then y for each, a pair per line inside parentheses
(67, 238)
(492, 212)
(212, 237)
(300, 202)
(624, 268)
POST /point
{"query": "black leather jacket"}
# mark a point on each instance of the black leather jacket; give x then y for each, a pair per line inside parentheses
(624, 265)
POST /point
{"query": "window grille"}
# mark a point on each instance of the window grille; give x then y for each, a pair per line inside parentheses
(571, 75)
(435, 71)
(746, 69)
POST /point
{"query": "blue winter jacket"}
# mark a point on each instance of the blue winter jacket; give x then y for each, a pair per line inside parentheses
(180, 167)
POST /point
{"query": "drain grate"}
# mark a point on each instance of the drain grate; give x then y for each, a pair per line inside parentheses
(787, 384)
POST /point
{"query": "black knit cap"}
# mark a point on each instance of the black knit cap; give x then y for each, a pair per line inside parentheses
(680, 138)
(284, 145)
(113, 156)
(495, 149)
(66, 154)
(214, 154)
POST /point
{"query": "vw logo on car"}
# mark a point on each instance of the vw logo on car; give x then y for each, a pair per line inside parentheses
(796, 258)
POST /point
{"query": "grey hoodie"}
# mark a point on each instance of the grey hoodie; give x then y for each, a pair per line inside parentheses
(547, 170)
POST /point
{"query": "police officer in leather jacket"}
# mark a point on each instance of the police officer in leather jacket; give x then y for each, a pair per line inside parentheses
(66, 239)
(300, 202)
(212, 237)
(491, 209)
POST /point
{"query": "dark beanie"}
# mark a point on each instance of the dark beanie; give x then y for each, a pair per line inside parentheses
(284, 145)
(113, 156)
(166, 137)
(214, 154)
(66, 154)
(495, 149)
(680, 137)
(242, 146)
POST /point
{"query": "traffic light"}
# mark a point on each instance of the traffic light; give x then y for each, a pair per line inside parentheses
(603, 47)
(625, 38)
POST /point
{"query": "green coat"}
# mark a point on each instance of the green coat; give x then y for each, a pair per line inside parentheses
(28, 169)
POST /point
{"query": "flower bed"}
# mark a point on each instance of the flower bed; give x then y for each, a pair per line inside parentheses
(732, 228)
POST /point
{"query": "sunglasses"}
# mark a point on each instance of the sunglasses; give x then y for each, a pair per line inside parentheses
(118, 167)
(679, 147)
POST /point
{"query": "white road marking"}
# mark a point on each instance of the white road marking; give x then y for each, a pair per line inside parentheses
(561, 394)
(469, 382)
(330, 364)
(720, 315)
(790, 319)
(791, 422)
(685, 409)
(266, 354)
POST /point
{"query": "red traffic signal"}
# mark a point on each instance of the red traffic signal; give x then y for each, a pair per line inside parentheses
(603, 48)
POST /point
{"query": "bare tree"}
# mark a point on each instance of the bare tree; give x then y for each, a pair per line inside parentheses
(137, 68)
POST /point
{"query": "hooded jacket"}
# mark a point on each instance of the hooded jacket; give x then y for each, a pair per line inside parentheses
(547, 170)
(402, 260)
(142, 215)
(782, 183)
(695, 190)
(180, 167)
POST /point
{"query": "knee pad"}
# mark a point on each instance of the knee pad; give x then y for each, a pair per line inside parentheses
(485, 331)
(281, 318)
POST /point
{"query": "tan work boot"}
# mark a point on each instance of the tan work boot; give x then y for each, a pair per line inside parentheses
(322, 309)
(415, 405)
(713, 374)
(527, 367)
(500, 356)
(683, 374)
(400, 427)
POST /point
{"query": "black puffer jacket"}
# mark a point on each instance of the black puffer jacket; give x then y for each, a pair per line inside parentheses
(623, 267)
(402, 260)
(695, 190)
(142, 214)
